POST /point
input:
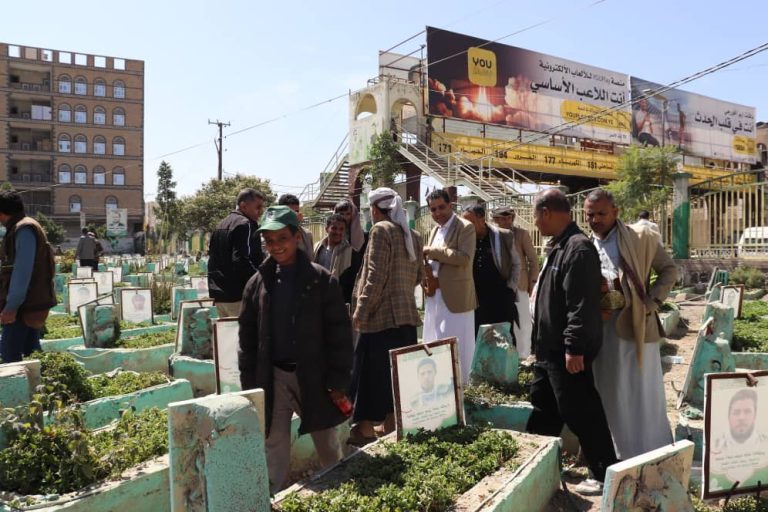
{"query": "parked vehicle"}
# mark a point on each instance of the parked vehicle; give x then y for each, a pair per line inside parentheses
(753, 243)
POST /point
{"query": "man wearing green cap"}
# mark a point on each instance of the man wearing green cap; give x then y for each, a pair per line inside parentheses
(296, 343)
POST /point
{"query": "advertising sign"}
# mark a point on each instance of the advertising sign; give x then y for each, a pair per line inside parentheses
(117, 221)
(472, 79)
(697, 124)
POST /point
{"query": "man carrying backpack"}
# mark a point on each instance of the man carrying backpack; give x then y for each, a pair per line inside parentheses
(26, 280)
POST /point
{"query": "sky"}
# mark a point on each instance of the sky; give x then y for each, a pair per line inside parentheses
(249, 62)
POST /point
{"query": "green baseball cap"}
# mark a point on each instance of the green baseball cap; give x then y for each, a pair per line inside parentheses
(278, 217)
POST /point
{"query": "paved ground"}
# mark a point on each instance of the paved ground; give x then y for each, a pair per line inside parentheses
(680, 343)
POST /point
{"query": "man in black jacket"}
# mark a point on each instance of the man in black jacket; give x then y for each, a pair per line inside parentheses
(296, 344)
(567, 334)
(235, 252)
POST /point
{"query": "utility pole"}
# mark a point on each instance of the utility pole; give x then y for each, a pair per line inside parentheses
(219, 143)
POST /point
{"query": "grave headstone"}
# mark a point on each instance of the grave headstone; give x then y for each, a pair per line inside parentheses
(197, 332)
(496, 359)
(101, 327)
(179, 294)
(225, 347)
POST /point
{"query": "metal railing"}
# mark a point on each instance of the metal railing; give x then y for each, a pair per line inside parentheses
(314, 190)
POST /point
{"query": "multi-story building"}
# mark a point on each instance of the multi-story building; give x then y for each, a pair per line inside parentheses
(72, 134)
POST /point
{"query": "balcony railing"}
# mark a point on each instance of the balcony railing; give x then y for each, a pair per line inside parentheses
(37, 145)
(32, 179)
(26, 86)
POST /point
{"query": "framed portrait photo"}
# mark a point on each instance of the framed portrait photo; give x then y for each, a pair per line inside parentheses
(735, 433)
(225, 345)
(732, 295)
(136, 305)
(79, 293)
(201, 285)
(424, 386)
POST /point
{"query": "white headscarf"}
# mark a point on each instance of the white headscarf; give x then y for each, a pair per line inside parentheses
(387, 199)
(356, 235)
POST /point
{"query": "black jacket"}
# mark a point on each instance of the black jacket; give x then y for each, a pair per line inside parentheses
(234, 256)
(323, 335)
(568, 300)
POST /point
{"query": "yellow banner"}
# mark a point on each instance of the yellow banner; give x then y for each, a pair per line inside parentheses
(578, 111)
(744, 145)
(548, 159)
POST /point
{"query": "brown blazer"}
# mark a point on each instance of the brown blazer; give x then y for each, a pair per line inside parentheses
(455, 275)
(383, 297)
(529, 268)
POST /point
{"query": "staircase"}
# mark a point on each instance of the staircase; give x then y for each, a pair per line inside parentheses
(333, 183)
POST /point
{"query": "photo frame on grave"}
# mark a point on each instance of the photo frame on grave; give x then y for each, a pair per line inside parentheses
(201, 285)
(117, 274)
(136, 305)
(732, 295)
(79, 293)
(689, 374)
(425, 386)
(735, 434)
(84, 272)
(104, 281)
(225, 347)
(185, 304)
(102, 300)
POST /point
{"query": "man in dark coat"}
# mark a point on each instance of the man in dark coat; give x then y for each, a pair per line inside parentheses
(296, 344)
(567, 334)
(235, 252)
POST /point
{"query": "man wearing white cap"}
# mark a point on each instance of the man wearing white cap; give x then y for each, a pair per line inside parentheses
(384, 311)
(450, 306)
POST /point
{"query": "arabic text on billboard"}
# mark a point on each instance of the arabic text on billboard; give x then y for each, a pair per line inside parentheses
(474, 80)
(697, 124)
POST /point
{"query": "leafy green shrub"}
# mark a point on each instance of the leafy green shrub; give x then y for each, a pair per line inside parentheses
(161, 297)
(61, 368)
(424, 472)
(61, 326)
(146, 340)
(488, 395)
(104, 385)
(750, 333)
(63, 456)
(750, 277)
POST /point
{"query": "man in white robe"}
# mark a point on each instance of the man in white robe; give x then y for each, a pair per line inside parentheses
(451, 310)
(627, 370)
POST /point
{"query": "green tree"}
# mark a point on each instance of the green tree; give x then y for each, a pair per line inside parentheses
(384, 158)
(167, 208)
(644, 179)
(215, 199)
(54, 232)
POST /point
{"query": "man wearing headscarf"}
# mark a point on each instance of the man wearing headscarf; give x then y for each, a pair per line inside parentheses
(451, 310)
(385, 312)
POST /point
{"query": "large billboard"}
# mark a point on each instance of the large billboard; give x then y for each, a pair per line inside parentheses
(697, 124)
(472, 79)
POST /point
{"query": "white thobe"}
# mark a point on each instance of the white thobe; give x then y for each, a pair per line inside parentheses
(440, 322)
(523, 331)
(632, 394)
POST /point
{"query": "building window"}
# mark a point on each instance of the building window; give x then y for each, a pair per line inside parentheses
(118, 146)
(99, 115)
(65, 174)
(81, 114)
(75, 204)
(65, 84)
(65, 113)
(118, 176)
(64, 143)
(110, 202)
(99, 87)
(81, 175)
(118, 89)
(81, 144)
(81, 86)
(118, 117)
(99, 176)
(99, 145)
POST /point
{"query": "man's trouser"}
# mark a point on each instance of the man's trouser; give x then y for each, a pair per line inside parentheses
(560, 397)
(287, 400)
(18, 340)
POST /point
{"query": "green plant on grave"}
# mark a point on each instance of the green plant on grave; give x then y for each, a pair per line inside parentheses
(63, 456)
(61, 369)
(424, 472)
(61, 326)
(488, 395)
(750, 277)
(750, 332)
(161, 297)
(146, 340)
(742, 504)
(104, 385)
(66, 261)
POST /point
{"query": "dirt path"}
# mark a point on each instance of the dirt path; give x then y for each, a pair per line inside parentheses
(681, 343)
